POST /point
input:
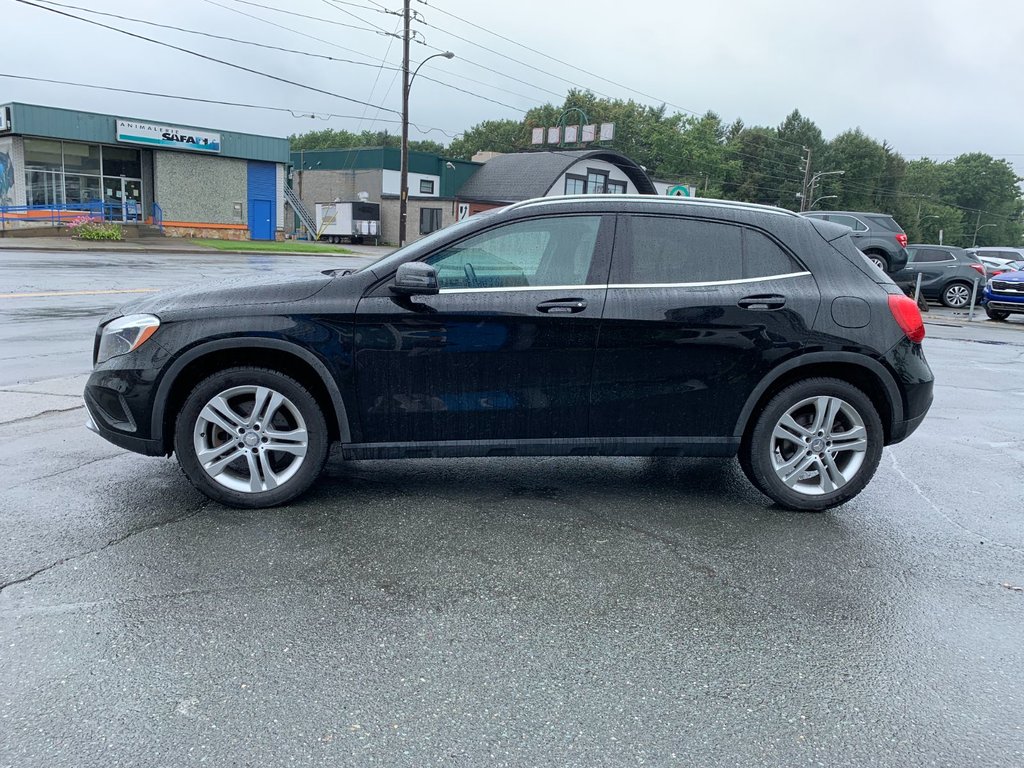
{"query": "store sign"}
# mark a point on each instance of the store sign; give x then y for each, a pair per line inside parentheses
(164, 137)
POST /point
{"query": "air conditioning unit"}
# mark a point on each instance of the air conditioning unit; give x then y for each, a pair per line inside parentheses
(5, 119)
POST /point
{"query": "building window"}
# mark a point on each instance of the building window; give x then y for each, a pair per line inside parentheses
(70, 173)
(597, 182)
(430, 220)
(426, 186)
(575, 185)
(616, 187)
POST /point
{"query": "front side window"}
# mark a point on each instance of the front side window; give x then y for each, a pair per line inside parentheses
(668, 250)
(430, 220)
(551, 251)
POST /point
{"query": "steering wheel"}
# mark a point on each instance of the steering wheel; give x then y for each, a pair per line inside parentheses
(470, 275)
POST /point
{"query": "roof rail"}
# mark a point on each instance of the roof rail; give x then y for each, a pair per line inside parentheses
(658, 199)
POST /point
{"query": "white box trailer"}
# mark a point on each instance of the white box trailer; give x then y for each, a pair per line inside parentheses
(354, 221)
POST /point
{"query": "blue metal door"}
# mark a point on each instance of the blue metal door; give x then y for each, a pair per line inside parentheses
(262, 187)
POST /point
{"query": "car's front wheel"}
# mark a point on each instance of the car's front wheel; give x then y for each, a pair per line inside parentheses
(251, 437)
(996, 314)
(815, 445)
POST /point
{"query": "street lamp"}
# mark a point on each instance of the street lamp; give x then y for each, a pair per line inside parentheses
(403, 203)
(824, 197)
(978, 229)
(809, 190)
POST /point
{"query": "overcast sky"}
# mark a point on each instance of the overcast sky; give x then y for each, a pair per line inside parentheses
(932, 77)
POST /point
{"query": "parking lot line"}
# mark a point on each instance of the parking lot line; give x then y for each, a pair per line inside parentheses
(46, 294)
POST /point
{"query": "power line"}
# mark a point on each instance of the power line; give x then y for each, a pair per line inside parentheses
(357, 18)
(202, 55)
(378, 30)
(297, 113)
(211, 35)
(560, 61)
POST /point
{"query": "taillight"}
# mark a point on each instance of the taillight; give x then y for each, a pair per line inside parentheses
(907, 316)
(979, 268)
(902, 240)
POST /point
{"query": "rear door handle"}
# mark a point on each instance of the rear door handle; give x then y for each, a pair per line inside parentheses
(562, 306)
(762, 302)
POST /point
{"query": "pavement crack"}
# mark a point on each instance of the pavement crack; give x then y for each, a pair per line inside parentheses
(111, 543)
(66, 470)
(946, 517)
(49, 412)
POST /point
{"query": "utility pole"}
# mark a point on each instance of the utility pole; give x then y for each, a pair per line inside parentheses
(807, 180)
(403, 192)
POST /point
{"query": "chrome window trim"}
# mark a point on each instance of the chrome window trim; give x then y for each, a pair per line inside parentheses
(591, 287)
(711, 283)
(513, 288)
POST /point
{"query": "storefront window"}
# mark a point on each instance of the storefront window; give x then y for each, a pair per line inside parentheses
(44, 188)
(82, 158)
(69, 173)
(82, 189)
(42, 155)
(118, 161)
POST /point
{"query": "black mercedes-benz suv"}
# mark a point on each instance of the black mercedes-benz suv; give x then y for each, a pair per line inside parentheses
(592, 325)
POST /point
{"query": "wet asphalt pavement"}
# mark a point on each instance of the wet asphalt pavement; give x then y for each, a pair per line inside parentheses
(570, 611)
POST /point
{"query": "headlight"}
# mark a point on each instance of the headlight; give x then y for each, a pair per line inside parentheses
(124, 335)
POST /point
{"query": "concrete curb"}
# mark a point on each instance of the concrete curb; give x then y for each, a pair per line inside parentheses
(171, 249)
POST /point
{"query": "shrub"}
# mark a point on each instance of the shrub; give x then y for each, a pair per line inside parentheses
(86, 228)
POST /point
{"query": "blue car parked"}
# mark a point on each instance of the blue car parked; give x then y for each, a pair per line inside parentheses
(1004, 295)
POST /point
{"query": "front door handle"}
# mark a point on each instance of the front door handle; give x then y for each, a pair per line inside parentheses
(762, 302)
(562, 306)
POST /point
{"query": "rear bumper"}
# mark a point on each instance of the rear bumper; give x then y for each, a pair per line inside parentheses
(916, 383)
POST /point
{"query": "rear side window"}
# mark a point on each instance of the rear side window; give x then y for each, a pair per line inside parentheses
(848, 221)
(930, 256)
(660, 250)
(885, 222)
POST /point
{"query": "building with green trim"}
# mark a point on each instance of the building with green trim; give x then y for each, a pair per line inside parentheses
(374, 174)
(198, 181)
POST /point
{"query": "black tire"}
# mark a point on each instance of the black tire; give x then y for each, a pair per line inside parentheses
(956, 295)
(762, 451)
(879, 259)
(996, 314)
(298, 413)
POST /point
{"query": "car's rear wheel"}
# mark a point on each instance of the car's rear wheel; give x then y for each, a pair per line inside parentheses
(956, 295)
(878, 260)
(251, 437)
(815, 445)
(996, 314)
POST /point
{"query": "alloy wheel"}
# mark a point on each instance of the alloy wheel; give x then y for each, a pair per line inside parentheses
(957, 296)
(250, 439)
(818, 445)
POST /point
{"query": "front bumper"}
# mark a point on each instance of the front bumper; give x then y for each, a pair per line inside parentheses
(120, 396)
(1003, 302)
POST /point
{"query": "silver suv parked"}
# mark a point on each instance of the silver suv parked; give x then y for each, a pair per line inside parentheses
(877, 235)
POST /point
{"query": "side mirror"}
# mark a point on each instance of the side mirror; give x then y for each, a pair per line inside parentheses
(414, 278)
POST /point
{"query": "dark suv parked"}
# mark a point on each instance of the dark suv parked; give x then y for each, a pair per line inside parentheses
(592, 325)
(877, 235)
(947, 274)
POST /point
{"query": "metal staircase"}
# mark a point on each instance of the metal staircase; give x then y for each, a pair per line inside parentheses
(307, 219)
